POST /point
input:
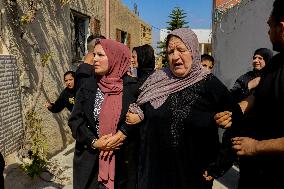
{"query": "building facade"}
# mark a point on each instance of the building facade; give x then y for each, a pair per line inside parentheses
(127, 27)
(44, 40)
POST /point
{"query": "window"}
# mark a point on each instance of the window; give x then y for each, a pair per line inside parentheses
(123, 37)
(79, 31)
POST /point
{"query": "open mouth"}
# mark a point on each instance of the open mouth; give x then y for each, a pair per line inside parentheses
(178, 64)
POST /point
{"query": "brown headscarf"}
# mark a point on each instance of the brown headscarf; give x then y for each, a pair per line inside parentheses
(111, 85)
(162, 83)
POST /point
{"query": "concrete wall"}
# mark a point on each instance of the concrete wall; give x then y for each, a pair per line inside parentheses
(241, 31)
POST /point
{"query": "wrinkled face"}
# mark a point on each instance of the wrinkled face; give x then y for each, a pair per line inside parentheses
(134, 61)
(179, 57)
(100, 60)
(207, 64)
(258, 62)
(69, 81)
(275, 34)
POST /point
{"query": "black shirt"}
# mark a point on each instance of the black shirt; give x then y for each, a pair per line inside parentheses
(65, 100)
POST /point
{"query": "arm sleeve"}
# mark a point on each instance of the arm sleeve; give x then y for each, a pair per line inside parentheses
(239, 91)
(128, 130)
(226, 156)
(59, 104)
(133, 89)
(78, 124)
(83, 72)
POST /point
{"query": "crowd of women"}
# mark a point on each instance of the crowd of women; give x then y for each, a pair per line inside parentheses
(140, 127)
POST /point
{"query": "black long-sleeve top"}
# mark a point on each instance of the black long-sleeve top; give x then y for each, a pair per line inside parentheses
(65, 100)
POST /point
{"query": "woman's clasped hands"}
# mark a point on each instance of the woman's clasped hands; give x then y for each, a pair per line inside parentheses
(108, 143)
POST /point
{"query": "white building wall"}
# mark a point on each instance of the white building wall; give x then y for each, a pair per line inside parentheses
(203, 35)
(240, 32)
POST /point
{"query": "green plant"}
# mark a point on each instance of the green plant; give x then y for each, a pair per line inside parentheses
(45, 59)
(28, 17)
(37, 154)
(177, 20)
(64, 2)
(36, 166)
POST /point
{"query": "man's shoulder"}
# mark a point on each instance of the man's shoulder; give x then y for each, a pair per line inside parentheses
(275, 63)
(84, 68)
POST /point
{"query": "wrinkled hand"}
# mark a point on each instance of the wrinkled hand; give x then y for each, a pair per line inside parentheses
(207, 177)
(245, 146)
(224, 119)
(101, 145)
(253, 83)
(101, 142)
(47, 105)
(132, 119)
(113, 142)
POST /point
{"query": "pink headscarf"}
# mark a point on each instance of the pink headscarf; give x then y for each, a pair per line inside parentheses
(111, 85)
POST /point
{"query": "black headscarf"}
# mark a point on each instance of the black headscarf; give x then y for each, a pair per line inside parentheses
(265, 53)
(146, 61)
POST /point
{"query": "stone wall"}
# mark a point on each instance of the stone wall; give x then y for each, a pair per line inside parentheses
(49, 32)
(11, 123)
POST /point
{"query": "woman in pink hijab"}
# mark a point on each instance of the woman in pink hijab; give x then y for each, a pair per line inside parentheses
(101, 160)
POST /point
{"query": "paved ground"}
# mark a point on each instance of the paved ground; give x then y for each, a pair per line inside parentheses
(61, 168)
(229, 180)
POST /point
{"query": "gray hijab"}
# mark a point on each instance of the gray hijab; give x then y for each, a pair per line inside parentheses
(157, 88)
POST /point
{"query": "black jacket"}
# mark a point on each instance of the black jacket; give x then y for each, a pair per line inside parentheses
(82, 124)
(65, 100)
(83, 72)
(240, 89)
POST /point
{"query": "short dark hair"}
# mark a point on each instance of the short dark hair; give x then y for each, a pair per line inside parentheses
(91, 38)
(69, 72)
(277, 11)
(207, 57)
(95, 36)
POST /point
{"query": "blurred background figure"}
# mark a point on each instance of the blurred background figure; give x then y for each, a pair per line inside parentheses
(67, 96)
(142, 62)
(207, 61)
(245, 84)
(146, 63)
